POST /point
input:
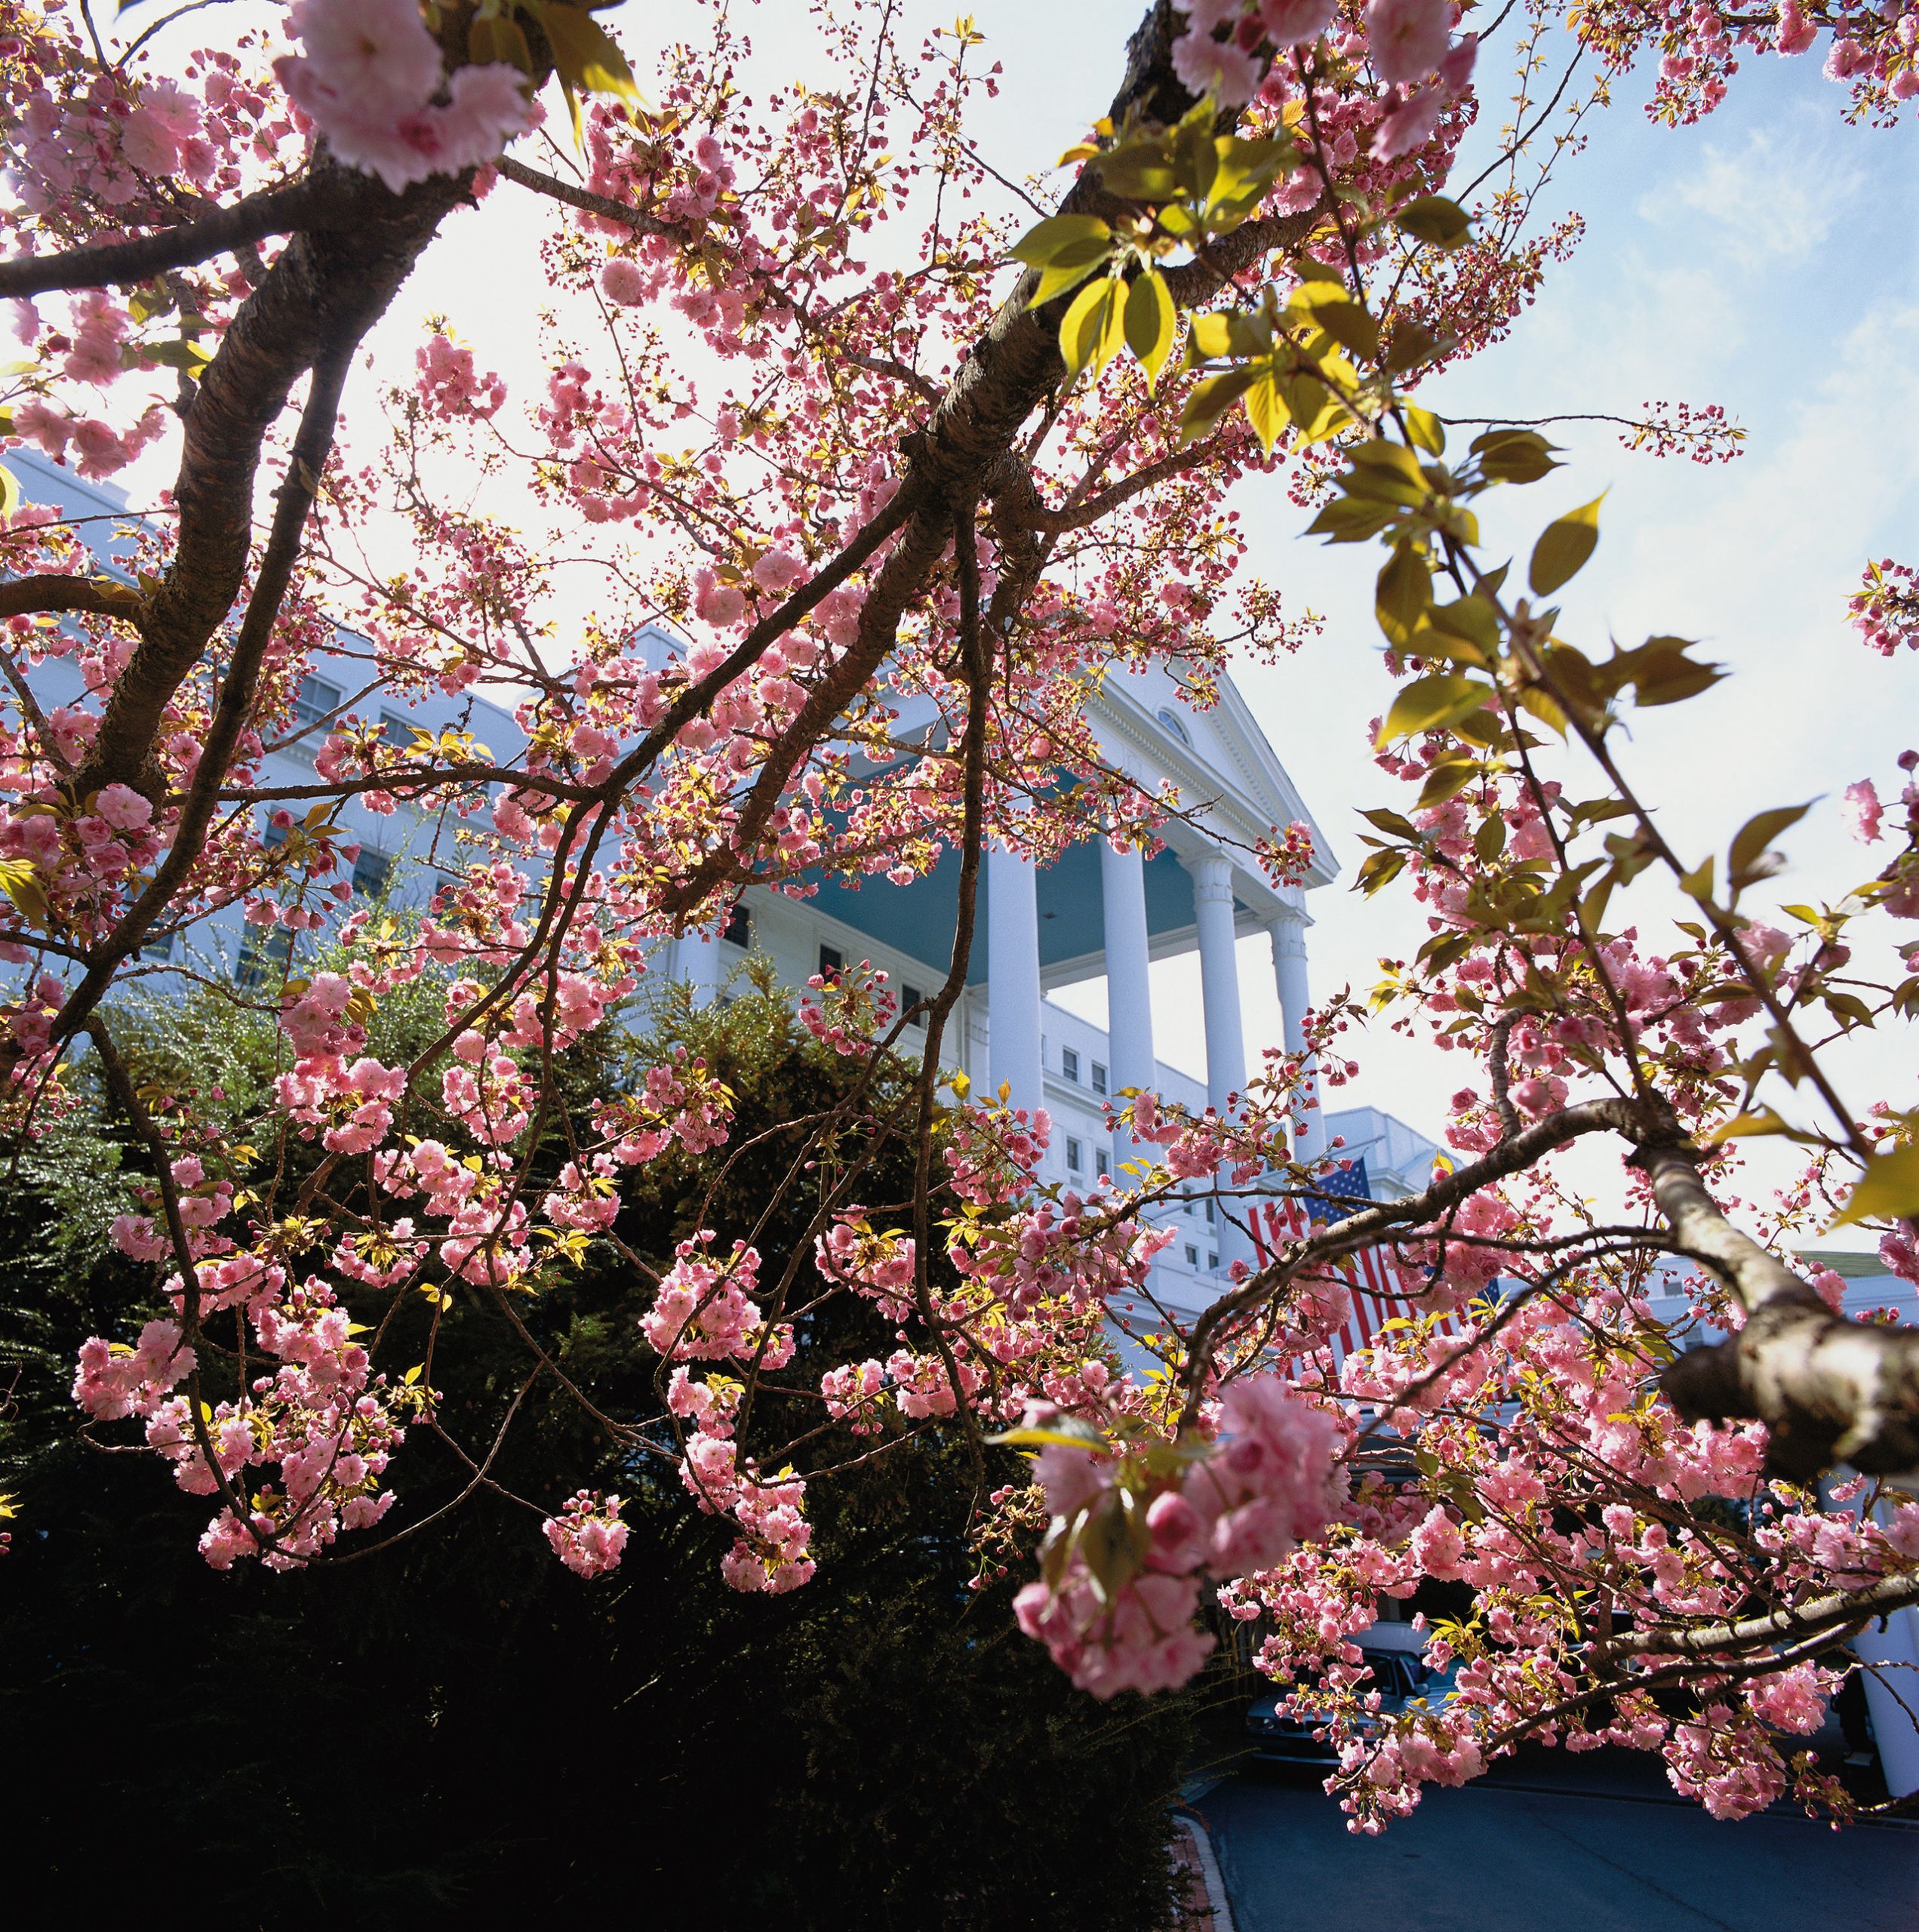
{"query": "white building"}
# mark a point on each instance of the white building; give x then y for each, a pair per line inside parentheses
(1096, 912)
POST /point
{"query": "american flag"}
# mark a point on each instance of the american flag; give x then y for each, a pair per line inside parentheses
(1370, 1274)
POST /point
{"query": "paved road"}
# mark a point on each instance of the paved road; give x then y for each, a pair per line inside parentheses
(1603, 1851)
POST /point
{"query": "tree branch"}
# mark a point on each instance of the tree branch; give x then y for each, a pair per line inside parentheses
(308, 203)
(1829, 1390)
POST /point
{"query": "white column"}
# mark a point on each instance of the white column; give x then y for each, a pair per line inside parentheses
(1226, 1045)
(1012, 988)
(1130, 1061)
(697, 960)
(1289, 944)
(1219, 978)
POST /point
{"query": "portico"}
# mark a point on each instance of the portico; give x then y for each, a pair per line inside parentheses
(1099, 910)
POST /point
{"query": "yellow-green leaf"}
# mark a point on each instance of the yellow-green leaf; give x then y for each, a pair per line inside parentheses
(1434, 219)
(1404, 592)
(1888, 1189)
(10, 491)
(1430, 702)
(585, 54)
(1748, 1126)
(1093, 328)
(1266, 410)
(1150, 323)
(1563, 547)
(1749, 845)
(1041, 244)
(1211, 399)
(21, 884)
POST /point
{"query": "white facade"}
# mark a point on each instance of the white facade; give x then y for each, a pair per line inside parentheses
(1096, 911)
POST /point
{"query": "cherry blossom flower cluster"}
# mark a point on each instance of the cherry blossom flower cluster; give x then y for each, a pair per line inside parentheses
(368, 79)
(1408, 43)
(1885, 609)
(1133, 1533)
(588, 1535)
(1870, 50)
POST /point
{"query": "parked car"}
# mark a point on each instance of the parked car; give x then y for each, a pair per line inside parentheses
(1401, 1677)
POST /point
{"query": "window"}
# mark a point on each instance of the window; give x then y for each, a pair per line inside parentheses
(1069, 1064)
(739, 928)
(159, 946)
(1186, 1205)
(1102, 1165)
(909, 998)
(265, 954)
(1192, 1256)
(1171, 720)
(372, 872)
(397, 731)
(832, 964)
(1099, 1077)
(1212, 1261)
(1075, 1155)
(1211, 1216)
(317, 700)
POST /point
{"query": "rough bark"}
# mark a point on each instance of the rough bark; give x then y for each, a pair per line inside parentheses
(1829, 1390)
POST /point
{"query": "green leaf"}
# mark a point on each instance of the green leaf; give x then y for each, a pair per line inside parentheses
(1404, 592)
(1139, 171)
(1472, 619)
(1447, 779)
(1563, 548)
(1041, 245)
(1429, 703)
(1888, 1189)
(1387, 819)
(1266, 411)
(1069, 268)
(585, 54)
(1514, 456)
(1755, 837)
(1150, 323)
(1411, 343)
(1660, 672)
(1434, 219)
(1068, 1432)
(1425, 429)
(1093, 328)
(1212, 399)
(21, 884)
(1351, 326)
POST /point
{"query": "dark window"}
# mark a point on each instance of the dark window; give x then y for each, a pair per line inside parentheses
(265, 955)
(1099, 1077)
(1069, 1064)
(1102, 1166)
(1212, 1261)
(1210, 1215)
(160, 946)
(317, 699)
(1075, 1157)
(1192, 1256)
(739, 928)
(909, 998)
(397, 731)
(372, 872)
(1186, 1206)
(832, 963)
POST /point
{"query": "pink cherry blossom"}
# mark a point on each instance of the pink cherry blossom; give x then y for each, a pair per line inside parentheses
(1861, 809)
(1407, 39)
